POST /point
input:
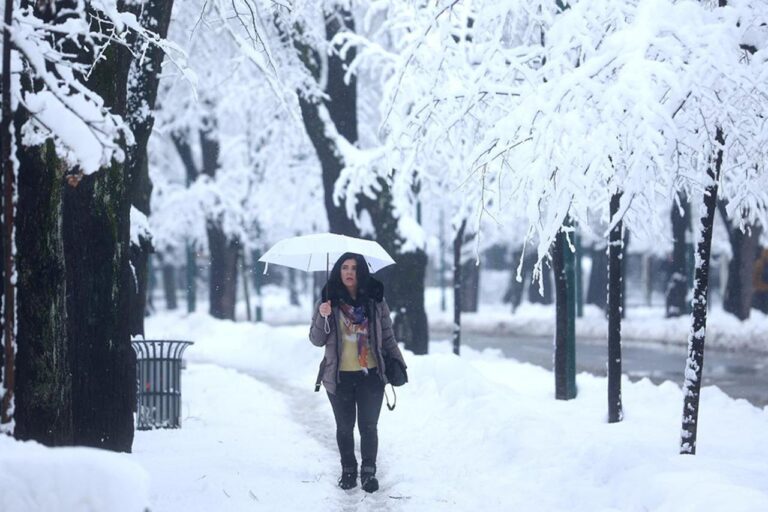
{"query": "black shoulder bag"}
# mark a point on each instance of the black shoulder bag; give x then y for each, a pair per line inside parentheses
(396, 376)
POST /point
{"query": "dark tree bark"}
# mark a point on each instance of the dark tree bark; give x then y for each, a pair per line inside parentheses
(470, 286)
(223, 248)
(615, 307)
(458, 243)
(153, 15)
(7, 383)
(745, 248)
(598, 278)
(565, 318)
(43, 384)
(341, 104)
(96, 223)
(168, 272)
(694, 366)
(677, 287)
(223, 277)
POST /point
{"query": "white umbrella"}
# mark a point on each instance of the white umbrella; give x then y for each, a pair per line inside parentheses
(317, 252)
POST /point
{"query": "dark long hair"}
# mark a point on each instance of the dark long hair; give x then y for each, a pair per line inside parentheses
(367, 286)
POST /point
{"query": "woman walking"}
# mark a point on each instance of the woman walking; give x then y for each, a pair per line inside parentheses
(354, 326)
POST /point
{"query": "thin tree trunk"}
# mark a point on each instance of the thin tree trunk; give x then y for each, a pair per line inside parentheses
(155, 16)
(191, 278)
(565, 317)
(677, 288)
(169, 283)
(458, 242)
(695, 362)
(223, 277)
(244, 269)
(8, 320)
(470, 286)
(615, 306)
(257, 278)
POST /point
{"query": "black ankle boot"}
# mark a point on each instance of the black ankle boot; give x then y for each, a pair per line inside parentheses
(368, 479)
(348, 478)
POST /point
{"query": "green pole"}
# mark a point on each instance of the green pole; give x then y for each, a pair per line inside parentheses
(569, 258)
(565, 316)
(578, 284)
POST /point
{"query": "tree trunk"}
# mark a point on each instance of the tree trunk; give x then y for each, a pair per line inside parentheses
(695, 362)
(458, 242)
(745, 248)
(404, 282)
(43, 384)
(153, 15)
(7, 383)
(615, 307)
(223, 277)
(223, 249)
(96, 223)
(598, 278)
(169, 283)
(470, 286)
(677, 287)
(565, 318)
(341, 103)
(191, 278)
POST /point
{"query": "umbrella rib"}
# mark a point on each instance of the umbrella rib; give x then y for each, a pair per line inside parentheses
(309, 264)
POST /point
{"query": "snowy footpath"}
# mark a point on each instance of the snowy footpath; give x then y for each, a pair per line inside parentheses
(479, 432)
(469, 433)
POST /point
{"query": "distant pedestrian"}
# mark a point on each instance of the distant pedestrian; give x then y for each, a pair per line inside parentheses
(353, 323)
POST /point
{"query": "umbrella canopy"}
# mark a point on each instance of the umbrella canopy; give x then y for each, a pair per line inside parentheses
(319, 251)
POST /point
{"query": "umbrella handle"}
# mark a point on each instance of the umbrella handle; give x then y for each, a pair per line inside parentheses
(327, 326)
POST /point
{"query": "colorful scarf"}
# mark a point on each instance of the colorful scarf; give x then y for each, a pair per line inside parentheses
(355, 322)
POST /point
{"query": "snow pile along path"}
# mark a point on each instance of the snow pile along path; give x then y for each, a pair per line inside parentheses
(473, 432)
(34, 478)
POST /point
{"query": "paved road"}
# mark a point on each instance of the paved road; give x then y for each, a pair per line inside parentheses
(739, 374)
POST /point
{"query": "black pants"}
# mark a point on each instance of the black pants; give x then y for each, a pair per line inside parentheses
(358, 395)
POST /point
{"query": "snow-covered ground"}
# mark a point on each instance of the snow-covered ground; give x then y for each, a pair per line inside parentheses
(476, 432)
(34, 478)
(479, 431)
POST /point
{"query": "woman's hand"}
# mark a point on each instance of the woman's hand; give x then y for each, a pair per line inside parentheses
(325, 309)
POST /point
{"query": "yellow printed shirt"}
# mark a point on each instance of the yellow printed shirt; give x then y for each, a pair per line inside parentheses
(349, 362)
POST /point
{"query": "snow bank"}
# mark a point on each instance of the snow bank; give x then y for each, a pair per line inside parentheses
(478, 431)
(34, 478)
(641, 324)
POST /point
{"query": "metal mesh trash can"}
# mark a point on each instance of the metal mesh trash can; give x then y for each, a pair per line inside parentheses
(158, 375)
